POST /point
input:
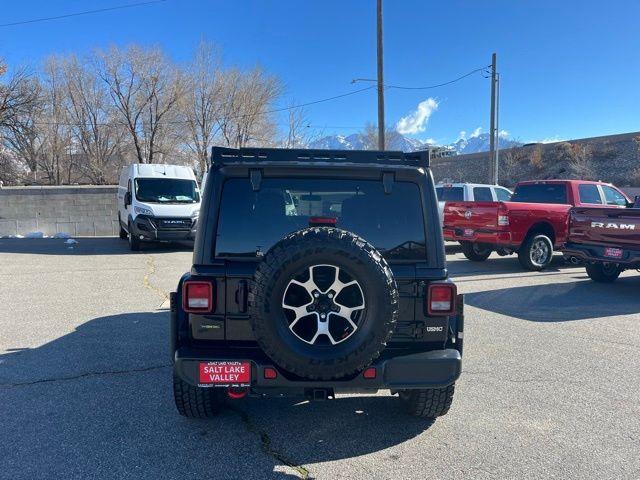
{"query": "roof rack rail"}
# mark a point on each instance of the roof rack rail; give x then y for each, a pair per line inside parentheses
(233, 156)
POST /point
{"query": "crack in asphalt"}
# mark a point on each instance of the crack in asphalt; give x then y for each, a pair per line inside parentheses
(84, 375)
(267, 447)
(151, 270)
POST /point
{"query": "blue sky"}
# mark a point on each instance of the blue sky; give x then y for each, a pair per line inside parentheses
(569, 69)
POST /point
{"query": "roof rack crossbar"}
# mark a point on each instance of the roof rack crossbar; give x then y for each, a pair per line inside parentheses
(232, 156)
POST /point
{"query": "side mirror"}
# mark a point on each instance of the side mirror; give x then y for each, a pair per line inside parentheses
(127, 199)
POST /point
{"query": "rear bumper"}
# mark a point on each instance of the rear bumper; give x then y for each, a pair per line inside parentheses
(595, 253)
(434, 369)
(146, 229)
(490, 237)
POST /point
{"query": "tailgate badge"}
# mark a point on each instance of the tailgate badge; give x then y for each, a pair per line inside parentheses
(468, 214)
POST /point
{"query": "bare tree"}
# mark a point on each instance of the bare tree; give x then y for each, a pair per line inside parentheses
(201, 104)
(145, 87)
(297, 135)
(245, 118)
(96, 132)
(581, 161)
(393, 140)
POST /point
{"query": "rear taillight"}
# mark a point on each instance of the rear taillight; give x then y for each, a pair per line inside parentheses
(503, 220)
(441, 299)
(197, 297)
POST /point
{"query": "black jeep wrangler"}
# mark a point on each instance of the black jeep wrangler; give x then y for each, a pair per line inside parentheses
(317, 272)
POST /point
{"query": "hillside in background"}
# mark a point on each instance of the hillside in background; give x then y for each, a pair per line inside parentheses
(612, 158)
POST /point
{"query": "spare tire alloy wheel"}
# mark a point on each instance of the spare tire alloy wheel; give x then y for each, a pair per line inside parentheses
(323, 303)
(332, 312)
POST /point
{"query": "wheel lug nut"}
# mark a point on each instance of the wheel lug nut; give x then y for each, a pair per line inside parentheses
(316, 294)
(323, 315)
(330, 295)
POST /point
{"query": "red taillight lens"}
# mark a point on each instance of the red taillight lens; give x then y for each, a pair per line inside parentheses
(441, 299)
(197, 297)
(369, 373)
(270, 373)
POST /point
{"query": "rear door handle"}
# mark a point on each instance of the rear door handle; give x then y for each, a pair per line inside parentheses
(241, 296)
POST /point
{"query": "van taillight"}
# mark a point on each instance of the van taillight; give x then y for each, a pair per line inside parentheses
(441, 299)
(197, 297)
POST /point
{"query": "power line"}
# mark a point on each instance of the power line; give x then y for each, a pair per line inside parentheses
(402, 87)
(77, 14)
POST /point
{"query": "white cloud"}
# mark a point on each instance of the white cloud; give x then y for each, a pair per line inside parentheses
(430, 141)
(476, 132)
(503, 133)
(463, 135)
(417, 120)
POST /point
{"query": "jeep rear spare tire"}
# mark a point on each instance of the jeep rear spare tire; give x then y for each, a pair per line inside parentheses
(323, 303)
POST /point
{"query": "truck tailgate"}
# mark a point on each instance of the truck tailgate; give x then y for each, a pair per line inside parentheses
(605, 226)
(474, 215)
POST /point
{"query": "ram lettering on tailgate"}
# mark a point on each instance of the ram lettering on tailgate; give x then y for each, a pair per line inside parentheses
(615, 226)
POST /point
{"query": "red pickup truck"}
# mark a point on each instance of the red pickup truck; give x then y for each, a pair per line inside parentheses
(532, 224)
(608, 241)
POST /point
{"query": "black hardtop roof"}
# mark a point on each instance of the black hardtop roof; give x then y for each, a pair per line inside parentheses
(221, 156)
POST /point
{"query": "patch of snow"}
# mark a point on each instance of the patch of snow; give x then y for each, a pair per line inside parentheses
(62, 235)
(35, 235)
(71, 241)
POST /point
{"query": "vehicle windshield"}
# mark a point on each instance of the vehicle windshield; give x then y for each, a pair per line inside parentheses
(250, 223)
(450, 194)
(167, 190)
(540, 193)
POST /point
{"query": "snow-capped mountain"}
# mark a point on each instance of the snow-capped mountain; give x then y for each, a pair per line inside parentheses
(481, 143)
(358, 141)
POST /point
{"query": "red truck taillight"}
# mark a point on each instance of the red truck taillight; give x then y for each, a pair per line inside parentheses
(441, 299)
(197, 297)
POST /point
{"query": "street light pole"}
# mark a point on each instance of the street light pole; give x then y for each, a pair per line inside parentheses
(380, 81)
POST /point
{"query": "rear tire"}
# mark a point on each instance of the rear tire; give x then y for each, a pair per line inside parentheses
(428, 402)
(536, 253)
(196, 402)
(475, 251)
(603, 272)
(134, 242)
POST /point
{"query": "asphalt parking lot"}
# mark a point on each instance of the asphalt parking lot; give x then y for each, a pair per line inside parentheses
(550, 387)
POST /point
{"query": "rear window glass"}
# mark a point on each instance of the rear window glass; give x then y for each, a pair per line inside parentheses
(540, 193)
(482, 194)
(450, 194)
(589, 194)
(250, 223)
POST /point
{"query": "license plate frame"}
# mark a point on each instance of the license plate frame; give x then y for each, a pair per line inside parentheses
(612, 252)
(225, 373)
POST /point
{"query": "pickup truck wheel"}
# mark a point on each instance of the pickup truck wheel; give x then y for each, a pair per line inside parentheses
(603, 272)
(323, 303)
(196, 402)
(536, 253)
(429, 402)
(475, 251)
(134, 242)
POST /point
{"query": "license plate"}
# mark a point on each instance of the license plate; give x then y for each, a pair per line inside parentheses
(468, 232)
(613, 252)
(225, 374)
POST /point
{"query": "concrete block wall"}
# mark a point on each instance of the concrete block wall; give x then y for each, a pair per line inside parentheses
(76, 210)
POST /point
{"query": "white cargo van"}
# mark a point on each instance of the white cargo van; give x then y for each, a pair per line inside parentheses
(157, 203)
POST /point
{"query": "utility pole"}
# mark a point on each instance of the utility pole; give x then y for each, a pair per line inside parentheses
(492, 122)
(381, 81)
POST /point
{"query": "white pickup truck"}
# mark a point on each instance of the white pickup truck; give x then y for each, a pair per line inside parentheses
(469, 192)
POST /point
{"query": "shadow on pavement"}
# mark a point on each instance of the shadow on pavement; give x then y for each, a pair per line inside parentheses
(98, 402)
(84, 246)
(496, 265)
(562, 302)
